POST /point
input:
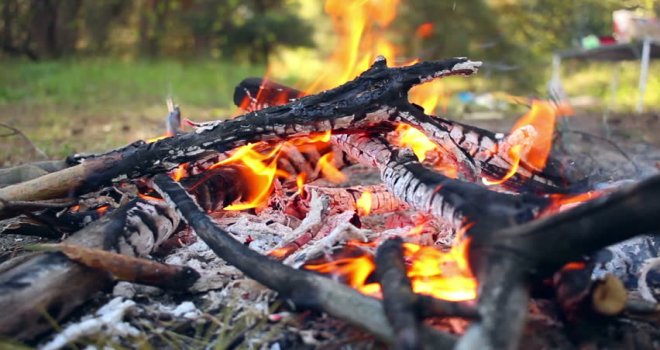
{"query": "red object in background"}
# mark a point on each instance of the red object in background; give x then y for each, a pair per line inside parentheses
(606, 40)
(424, 30)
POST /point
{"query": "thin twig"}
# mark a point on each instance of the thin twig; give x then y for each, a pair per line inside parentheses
(27, 139)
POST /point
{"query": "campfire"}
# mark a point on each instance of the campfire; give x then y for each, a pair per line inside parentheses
(348, 199)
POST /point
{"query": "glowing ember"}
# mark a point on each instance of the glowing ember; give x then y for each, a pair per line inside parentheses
(444, 275)
(560, 202)
(514, 154)
(178, 173)
(415, 140)
(364, 203)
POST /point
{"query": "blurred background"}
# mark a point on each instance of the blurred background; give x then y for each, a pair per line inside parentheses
(84, 76)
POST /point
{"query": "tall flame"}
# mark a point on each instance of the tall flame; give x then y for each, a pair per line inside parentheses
(542, 117)
(360, 25)
(530, 140)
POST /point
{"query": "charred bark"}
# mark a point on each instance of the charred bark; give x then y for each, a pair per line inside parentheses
(303, 288)
(505, 261)
(481, 152)
(457, 202)
(356, 104)
(399, 300)
(50, 286)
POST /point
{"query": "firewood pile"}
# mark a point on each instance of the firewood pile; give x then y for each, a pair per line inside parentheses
(357, 215)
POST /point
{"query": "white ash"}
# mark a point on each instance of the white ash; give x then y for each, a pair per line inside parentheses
(313, 222)
(186, 310)
(644, 290)
(324, 246)
(214, 272)
(261, 234)
(626, 259)
(109, 320)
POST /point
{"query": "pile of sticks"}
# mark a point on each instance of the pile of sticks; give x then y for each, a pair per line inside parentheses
(505, 231)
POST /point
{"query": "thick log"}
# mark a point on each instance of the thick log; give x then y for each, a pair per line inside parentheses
(480, 151)
(455, 201)
(305, 289)
(505, 260)
(357, 104)
(399, 300)
(49, 286)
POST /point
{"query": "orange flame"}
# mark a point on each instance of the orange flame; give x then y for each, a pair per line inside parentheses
(542, 117)
(364, 203)
(360, 25)
(429, 96)
(414, 139)
(300, 182)
(260, 169)
(444, 275)
(514, 154)
(530, 140)
(328, 170)
(263, 169)
(356, 270)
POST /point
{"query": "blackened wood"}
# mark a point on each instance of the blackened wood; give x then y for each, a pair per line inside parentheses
(502, 305)
(253, 94)
(305, 289)
(128, 268)
(505, 260)
(455, 201)
(399, 300)
(569, 235)
(357, 104)
(478, 150)
(51, 285)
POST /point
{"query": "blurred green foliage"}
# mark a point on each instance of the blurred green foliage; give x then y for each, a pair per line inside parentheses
(514, 38)
(231, 29)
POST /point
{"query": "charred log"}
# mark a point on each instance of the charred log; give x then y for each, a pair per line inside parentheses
(505, 261)
(50, 285)
(457, 202)
(303, 288)
(481, 152)
(399, 300)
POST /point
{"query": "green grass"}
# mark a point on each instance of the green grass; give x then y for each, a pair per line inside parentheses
(88, 84)
(93, 105)
(594, 80)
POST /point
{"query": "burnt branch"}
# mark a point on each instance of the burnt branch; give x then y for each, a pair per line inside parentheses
(479, 151)
(506, 260)
(455, 201)
(51, 285)
(305, 289)
(399, 300)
